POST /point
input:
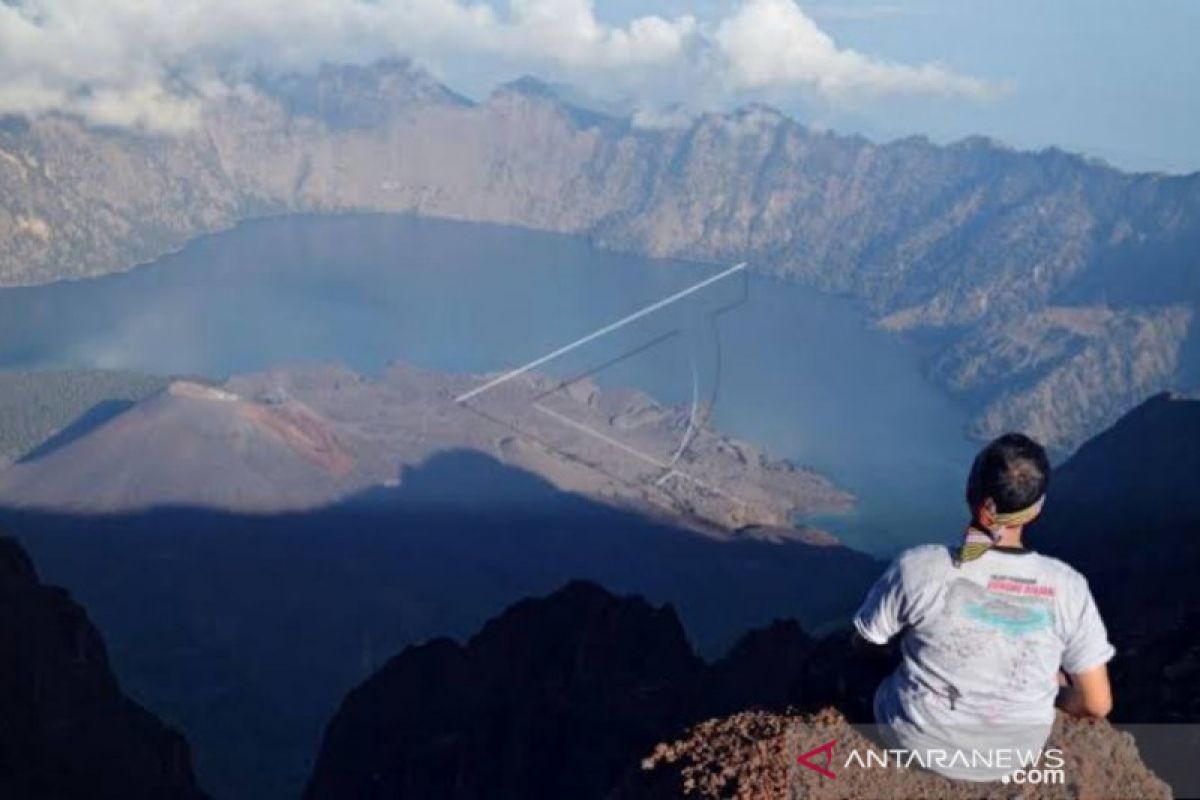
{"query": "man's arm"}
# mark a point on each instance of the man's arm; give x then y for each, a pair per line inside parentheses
(1089, 694)
(882, 613)
(1085, 658)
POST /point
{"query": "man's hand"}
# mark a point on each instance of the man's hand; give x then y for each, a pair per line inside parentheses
(1087, 694)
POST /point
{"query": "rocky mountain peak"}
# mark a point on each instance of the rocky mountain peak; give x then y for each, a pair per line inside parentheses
(66, 729)
(528, 86)
(351, 96)
(583, 617)
(551, 699)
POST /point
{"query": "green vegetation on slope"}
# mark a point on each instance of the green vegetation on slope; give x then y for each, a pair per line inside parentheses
(35, 406)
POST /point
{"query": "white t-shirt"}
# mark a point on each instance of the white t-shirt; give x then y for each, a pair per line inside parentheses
(982, 645)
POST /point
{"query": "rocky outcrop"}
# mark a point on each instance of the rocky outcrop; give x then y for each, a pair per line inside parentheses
(66, 729)
(970, 240)
(753, 756)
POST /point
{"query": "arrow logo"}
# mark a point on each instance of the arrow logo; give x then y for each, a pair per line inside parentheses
(805, 759)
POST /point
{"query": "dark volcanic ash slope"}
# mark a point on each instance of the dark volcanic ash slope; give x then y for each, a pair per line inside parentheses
(66, 730)
(994, 250)
(299, 439)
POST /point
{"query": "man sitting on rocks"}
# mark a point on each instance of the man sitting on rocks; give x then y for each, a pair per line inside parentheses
(988, 628)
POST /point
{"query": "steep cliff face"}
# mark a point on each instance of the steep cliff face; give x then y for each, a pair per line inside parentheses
(66, 730)
(988, 247)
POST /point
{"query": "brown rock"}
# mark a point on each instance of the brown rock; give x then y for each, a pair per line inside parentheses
(753, 756)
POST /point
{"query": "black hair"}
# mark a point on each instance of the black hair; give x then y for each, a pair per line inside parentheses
(1013, 471)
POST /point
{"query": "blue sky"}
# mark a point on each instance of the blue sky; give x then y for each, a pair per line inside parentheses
(1118, 80)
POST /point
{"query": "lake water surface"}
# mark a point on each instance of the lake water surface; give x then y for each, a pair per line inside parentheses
(802, 373)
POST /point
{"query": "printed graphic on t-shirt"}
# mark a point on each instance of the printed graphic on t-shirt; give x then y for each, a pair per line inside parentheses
(994, 638)
(1016, 606)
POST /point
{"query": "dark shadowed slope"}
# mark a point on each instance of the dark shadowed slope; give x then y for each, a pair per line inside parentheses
(67, 731)
(248, 629)
(1123, 510)
(1126, 493)
(552, 699)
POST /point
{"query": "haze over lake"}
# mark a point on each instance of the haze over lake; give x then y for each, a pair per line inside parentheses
(802, 373)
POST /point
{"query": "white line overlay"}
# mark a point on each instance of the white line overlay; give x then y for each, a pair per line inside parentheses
(668, 467)
(607, 329)
(633, 451)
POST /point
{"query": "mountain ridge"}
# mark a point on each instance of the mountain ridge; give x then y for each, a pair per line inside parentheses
(961, 243)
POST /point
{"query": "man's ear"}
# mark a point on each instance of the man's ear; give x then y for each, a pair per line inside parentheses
(985, 513)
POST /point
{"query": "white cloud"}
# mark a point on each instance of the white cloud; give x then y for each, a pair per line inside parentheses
(769, 43)
(151, 62)
(568, 32)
